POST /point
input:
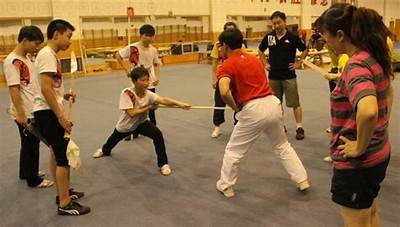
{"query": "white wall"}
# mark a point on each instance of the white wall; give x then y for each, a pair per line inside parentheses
(104, 23)
(388, 9)
(391, 12)
(309, 12)
(257, 26)
(25, 8)
(20, 8)
(218, 10)
(71, 10)
(305, 11)
(10, 27)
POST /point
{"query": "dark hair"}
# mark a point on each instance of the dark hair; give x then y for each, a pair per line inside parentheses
(364, 28)
(139, 72)
(279, 14)
(230, 24)
(30, 33)
(231, 37)
(147, 30)
(58, 25)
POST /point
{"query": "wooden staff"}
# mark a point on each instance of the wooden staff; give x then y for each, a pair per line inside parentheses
(30, 127)
(74, 69)
(199, 107)
(314, 67)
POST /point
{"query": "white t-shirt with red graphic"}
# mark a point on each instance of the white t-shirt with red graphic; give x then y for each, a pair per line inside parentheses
(128, 100)
(139, 55)
(19, 70)
(47, 61)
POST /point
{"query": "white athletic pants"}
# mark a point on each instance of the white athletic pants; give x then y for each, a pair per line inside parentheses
(258, 116)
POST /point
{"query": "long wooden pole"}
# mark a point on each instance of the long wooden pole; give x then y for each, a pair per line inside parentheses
(314, 67)
(199, 107)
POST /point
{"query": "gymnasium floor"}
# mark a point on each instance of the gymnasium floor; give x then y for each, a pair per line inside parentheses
(126, 189)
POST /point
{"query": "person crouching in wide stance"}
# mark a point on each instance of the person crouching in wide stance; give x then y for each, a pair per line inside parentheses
(135, 102)
(244, 87)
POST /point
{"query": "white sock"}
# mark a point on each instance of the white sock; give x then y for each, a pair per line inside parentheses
(299, 125)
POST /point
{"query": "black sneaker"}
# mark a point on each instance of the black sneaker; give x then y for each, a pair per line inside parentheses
(299, 133)
(128, 138)
(73, 195)
(73, 209)
(135, 135)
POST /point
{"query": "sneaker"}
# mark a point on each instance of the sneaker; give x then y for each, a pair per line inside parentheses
(45, 184)
(41, 173)
(299, 133)
(227, 192)
(135, 135)
(73, 195)
(165, 170)
(73, 209)
(217, 132)
(128, 138)
(303, 186)
(328, 130)
(98, 154)
(327, 159)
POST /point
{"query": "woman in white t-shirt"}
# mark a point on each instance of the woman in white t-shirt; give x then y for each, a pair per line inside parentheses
(135, 103)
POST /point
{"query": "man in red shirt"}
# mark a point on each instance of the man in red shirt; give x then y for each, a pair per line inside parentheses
(244, 87)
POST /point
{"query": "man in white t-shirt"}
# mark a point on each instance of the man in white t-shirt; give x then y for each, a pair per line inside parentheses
(18, 70)
(144, 54)
(48, 111)
(135, 103)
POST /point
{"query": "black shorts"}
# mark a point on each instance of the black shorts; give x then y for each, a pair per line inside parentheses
(53, 132)
(357, 188)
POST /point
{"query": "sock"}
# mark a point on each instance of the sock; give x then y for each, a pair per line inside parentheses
(299, 125)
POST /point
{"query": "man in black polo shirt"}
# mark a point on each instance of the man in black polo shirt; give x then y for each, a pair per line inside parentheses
(281, 65)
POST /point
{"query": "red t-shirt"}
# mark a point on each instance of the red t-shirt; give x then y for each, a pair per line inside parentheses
(248, 77)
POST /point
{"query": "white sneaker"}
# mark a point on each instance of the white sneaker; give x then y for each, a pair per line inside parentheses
(327, 159)
(217, 132)
(227, 192)
(303, 186)
(328, 130)
(41, 173)
(98, 154)
(165, 170)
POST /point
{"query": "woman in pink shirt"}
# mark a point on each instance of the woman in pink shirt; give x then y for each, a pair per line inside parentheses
(360, 110)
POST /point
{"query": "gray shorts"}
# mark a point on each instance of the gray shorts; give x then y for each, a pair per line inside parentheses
(287, 87)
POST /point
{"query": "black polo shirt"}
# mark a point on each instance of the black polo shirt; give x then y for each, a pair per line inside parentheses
(281, 53)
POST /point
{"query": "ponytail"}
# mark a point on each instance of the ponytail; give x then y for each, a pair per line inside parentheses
(370, 33)
(364, 28)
